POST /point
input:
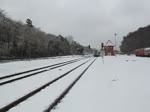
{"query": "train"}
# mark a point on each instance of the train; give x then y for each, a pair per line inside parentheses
(96, 54)
(143, 52)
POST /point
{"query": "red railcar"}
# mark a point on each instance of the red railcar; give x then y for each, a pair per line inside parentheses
(139, 52)
(142, 52)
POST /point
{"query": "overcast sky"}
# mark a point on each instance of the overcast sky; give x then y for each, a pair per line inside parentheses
(88, 21)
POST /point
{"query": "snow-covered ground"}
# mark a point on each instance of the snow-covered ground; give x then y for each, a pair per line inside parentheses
(29, 84)
(19, 66)
(120, 84)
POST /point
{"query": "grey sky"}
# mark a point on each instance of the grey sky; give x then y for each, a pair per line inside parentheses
(88, 21)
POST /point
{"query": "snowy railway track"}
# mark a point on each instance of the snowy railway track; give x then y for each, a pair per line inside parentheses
(64, 93)
(28, 71)
(25, 97)
(43, 69)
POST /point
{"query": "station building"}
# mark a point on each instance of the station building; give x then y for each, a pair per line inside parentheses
(109, 48)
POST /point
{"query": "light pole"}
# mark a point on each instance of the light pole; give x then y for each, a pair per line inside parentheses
(102, 51)
(29, 24)
(115, 45)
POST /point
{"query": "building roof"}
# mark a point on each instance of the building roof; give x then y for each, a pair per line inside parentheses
(109, 43)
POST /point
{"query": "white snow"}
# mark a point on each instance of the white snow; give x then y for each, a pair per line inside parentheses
(29, 84)
(19, 66)
(120, 84)
(48, 95)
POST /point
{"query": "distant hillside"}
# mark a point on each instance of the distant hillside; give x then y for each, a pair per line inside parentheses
(135, 40)
(19, 40)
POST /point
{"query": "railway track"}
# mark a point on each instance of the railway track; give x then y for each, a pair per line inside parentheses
(25, 97)
(65, 92)
(42, 69)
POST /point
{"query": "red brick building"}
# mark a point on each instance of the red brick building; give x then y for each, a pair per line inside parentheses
(109, 48)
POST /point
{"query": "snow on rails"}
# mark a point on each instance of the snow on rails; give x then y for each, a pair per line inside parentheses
(11, 81)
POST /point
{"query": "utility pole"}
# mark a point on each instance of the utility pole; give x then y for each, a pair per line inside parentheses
(115, 45)
(29, 24)
(102, 52)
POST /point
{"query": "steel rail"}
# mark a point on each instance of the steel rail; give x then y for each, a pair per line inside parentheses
(20, 73)
(63, 94)
(25, 97)
(36, 73)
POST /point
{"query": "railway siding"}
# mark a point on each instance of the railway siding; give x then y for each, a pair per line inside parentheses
(16, 102)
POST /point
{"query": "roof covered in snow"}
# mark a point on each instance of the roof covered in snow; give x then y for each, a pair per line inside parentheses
(109, 43)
